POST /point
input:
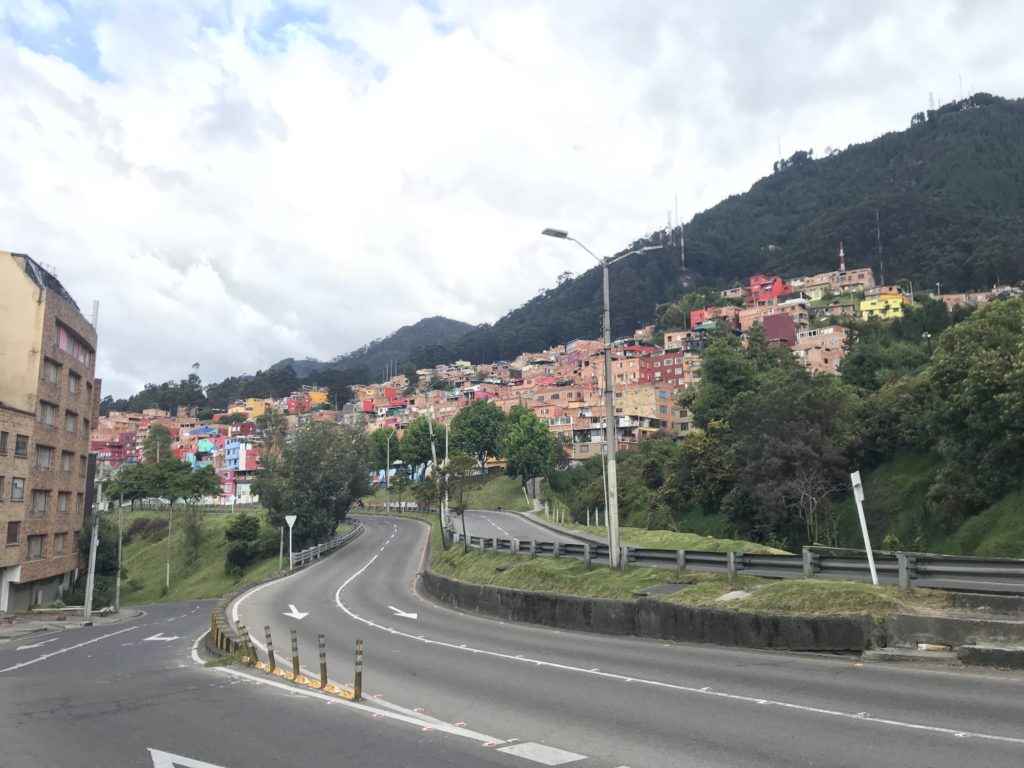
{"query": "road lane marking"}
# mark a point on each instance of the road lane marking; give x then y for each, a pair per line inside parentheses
(169, 760)
(541, 753)
(46, 656)
(36, 645)
(805, 708)
(160, 637)
(295, 613)
(402, 613)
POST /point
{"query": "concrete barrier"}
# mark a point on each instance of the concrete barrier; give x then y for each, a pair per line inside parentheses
(658, 619)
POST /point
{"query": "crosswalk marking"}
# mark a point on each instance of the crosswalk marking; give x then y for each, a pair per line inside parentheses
(540, 753)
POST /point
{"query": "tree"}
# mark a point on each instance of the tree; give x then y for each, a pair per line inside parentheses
(317, 477)
(977, 414)
(527, 445)
(476, 429)
(725, 373)
(198, 484)
(415, 444)
(157, 445)
(130, 481)
(238, 417)
(378, 445)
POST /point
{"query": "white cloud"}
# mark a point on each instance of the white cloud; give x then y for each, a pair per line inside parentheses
(289, 180)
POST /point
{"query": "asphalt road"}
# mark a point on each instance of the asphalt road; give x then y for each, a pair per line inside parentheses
(508, 525)
(109, 695)
(592, 700)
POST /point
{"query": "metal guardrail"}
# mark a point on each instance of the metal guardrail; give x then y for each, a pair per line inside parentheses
(907, 569)
(314, 553)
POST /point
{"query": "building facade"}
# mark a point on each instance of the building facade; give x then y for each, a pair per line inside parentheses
(49, 402)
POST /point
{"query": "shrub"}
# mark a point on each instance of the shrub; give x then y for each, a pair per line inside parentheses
(137, 528)
(156, 527)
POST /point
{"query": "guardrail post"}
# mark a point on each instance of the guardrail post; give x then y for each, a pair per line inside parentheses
(730, 566)
(494, 545)
(623, 557)
(295, 652)
(270, 649)
(515, 546)
(357, 684)
(533, 548)
(250, 650)
(586, 557)
(680, 561)
(906, 565)
(556, 550)
(808, 563)
(323, 660)
(481, 545)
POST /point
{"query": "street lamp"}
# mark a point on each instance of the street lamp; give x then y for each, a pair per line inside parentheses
(928, 337)
(387, 468)
(609, 393)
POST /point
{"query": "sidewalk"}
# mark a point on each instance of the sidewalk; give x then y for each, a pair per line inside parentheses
(19, 625)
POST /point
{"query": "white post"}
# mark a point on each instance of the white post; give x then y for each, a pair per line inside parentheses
(90, 578)
(290, 519)
(280, 552)
(858, 495)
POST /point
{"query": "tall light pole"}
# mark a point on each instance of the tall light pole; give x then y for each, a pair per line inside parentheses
(387, 469)
(609, 393)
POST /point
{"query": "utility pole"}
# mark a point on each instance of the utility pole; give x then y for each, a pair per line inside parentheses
(94, 540)
(120, 540)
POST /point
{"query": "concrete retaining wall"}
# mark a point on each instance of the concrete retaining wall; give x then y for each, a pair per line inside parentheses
(656, 618)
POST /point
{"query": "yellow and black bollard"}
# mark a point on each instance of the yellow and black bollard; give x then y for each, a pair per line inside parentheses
(295, 654)
(358, 685)
(323, 660)
(270, 650)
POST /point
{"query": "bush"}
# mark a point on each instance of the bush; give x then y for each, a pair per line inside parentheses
(269, 542)
(137, 528)
(239, 555)
(245, 527)
(156, 527)
(135, 585)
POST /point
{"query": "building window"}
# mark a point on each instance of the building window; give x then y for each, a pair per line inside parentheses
(39, 502)
(74, 383)
(79, 501)
(1, 488)
(3, 443)
(50, 370)
(47, 413)
(58, 544)
(63, 498)
(85, 426)
(81, 466)
(71, 343)
(65, 461)
(69, 422)
(44, 456)
(21, 447)
(17, 489)
(13, 532)
(35, 548)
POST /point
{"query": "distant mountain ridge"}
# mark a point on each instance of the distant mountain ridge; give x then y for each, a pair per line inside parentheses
(949, 197)
(395, 347)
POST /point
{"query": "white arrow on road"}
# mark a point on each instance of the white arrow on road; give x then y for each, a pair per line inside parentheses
(403, 614)
(167, 760)
(35, 645)
(158, 636)
(295, 613)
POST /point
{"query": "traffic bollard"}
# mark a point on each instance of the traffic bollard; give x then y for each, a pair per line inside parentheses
(323, 660)
(358, 683)
(295, 653)
(270, 649)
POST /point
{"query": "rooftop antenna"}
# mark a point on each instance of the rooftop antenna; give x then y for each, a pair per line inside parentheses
(842, 258)
(878, 239)
(961, 78)
(682, 240)
(931, 101)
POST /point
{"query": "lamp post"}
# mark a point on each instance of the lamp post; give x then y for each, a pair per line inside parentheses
(387, 469)
(928, 337)
(609, 392)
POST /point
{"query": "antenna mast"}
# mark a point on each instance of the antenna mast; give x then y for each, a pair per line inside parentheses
(878, 239)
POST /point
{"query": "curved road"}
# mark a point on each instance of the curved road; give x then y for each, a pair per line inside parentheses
(592, 700)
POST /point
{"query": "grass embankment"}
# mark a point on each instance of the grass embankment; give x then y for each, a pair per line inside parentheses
(641, 537)
(566, 576)
(144, 560)
(488, 492)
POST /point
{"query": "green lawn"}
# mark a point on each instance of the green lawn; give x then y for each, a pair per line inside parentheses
(660, 539)
(145, 563)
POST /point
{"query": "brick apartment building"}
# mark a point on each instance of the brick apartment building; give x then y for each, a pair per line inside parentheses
(49, 401)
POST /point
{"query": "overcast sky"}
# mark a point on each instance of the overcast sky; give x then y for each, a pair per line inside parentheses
(241, 181)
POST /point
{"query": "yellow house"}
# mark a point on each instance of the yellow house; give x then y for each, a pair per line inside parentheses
(885, 304)
(255, 406)
(318, 396)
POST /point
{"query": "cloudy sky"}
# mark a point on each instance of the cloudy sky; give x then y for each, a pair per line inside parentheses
(238, 181)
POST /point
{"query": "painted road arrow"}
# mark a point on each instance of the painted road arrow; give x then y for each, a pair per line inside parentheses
(158, 637)
(295, 613)
(35, 645)
(167, 760)
(403, 614)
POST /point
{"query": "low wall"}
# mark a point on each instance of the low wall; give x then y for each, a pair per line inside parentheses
(657, 618)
